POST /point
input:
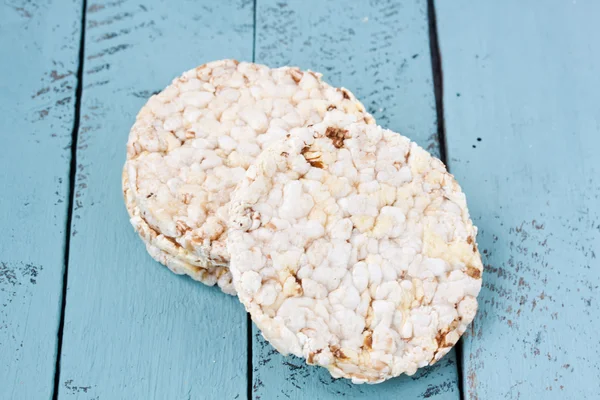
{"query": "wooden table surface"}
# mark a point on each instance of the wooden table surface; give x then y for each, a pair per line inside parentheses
(506, 92)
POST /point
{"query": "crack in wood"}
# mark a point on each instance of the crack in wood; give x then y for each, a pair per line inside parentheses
(70, 209)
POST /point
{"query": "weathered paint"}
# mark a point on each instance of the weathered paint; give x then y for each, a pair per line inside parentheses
(522, 113)
(132, 328)
(37, 93)
(380, 51)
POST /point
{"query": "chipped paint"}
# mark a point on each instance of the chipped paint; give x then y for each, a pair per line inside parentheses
(75, 389)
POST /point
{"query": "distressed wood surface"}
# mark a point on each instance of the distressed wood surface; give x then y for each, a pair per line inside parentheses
(522, 124)
(380, 51)
(522, 113)
(134, 330)
(37, 92)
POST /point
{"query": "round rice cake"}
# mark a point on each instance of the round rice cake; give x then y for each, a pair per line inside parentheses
(353, 248)
(173, 256)
(192, 143)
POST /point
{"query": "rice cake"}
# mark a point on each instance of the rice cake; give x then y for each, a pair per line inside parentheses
(192, 143)
(353, 248)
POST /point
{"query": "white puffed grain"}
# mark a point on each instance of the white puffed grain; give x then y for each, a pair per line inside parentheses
(192, 143)
(385, 270)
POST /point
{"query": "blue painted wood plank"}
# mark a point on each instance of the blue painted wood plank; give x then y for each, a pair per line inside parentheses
(37, 92)
(522, 113)
(380, 51)
(132, 328)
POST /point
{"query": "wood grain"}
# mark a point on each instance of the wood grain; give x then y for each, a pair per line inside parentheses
(132, 328)
(380, 51)
(37, 94)
(522, 112)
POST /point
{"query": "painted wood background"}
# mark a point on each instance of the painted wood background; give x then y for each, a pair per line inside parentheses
(522, 117)
(84, 311)
(38, 77)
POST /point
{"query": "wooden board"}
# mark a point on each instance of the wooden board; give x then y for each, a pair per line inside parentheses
(522, 132)
(522, 112)
(134, 330)
(380, 51)
(37, 94)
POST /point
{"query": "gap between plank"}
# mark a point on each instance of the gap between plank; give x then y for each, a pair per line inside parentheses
(249, 364)
(438, 81)
(72, 175)
(254, 32)
(438, 84)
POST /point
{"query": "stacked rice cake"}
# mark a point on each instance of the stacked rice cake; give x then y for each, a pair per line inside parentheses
(349, 245)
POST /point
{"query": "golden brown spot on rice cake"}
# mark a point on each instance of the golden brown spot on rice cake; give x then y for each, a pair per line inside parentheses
(368, 340)
(311, 356)
(296, 75)
(473, 272)
(337, 135)
(337, 352)
(312, 158)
